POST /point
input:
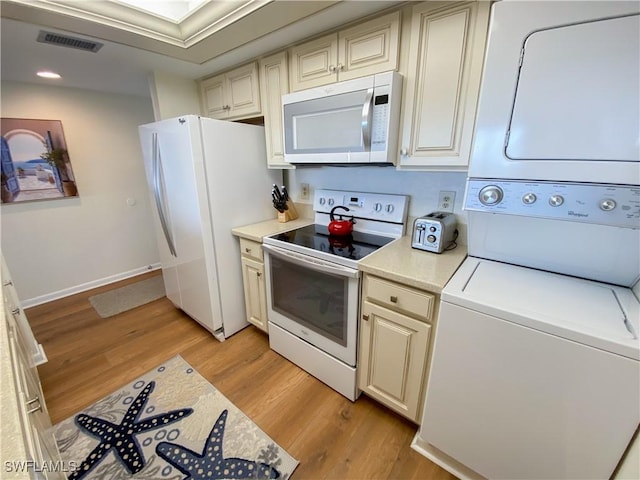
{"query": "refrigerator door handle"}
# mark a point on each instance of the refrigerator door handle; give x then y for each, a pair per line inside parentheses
(158, 194)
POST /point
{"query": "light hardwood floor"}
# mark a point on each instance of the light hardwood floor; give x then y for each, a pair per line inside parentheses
(331, 437)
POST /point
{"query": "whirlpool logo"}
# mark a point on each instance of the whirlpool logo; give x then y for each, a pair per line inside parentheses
(577, 214)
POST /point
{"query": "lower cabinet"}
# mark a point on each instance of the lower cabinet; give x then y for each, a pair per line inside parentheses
(255, 297)
(28, 446)
(394, 339)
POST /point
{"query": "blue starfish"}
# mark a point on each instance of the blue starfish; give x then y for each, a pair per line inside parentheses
(211, 464)
(121, 438)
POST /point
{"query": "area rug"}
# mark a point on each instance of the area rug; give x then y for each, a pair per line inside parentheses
(130, 296)
(172, 424)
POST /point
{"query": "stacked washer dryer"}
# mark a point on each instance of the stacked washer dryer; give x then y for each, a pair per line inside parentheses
(536, 365)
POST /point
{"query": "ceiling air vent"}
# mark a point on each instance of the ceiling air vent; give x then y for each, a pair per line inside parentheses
(67, 41)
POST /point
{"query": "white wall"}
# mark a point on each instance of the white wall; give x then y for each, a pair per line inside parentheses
(173, 96)
(422, 187)
(57, 247)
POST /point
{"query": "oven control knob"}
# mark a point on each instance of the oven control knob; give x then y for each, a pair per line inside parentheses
(322, 201)
(389, 208)
(607, 204)
(378, 207)
(556, 200)
(491, 195)
(330, 201)
(529, 198)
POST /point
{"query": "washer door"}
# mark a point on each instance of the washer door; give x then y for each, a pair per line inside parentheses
(596, 314)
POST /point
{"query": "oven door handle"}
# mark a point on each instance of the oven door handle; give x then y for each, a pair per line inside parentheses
(311, 263)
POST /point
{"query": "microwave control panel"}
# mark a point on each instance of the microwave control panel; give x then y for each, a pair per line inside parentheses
(380, 119)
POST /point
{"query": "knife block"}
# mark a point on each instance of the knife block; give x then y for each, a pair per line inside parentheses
(289, 214)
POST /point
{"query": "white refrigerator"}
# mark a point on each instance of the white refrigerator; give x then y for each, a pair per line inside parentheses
(206, 177)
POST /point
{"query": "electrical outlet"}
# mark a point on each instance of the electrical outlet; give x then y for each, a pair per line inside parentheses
(446, 201)
(304, 191)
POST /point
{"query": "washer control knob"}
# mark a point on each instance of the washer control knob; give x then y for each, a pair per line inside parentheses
(490, 195)
(330, 201)
(322, 201)
(607, 204)
(431, 238)
(556, 200)
(529, 198)
(377, 207)
(389, 208)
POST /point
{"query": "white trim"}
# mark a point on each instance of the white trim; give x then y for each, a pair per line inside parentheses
(32, 302)
(443, 460)
(41, 357)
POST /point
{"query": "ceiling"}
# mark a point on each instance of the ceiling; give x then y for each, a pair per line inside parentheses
(216, 35)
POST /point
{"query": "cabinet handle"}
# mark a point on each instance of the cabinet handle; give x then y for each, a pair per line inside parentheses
(7, 283)
(403, 152)
(15, 311)
(258, 274)
(365, 318)
(34, 409)
(340, 67)
(332, 68)
(248, 250)
(393, 299)
(227, 107)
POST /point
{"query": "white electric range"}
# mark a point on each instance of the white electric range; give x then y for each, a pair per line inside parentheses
(313, 283)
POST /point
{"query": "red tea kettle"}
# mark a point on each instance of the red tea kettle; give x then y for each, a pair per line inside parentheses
(340, 227)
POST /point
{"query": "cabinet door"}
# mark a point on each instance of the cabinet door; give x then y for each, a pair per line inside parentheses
(393, 357)
(274, 82)
(243, 91)
(314, 63)
(255, 296)
(441, 94)
(369, 48)
(212, 91)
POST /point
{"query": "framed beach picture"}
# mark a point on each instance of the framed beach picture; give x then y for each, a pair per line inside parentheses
(35, 161)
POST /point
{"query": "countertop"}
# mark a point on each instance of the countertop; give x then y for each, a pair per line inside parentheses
(257, 231)
(395, 261)
(399, 262)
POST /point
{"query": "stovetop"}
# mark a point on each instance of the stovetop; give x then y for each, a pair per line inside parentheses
(316, 237)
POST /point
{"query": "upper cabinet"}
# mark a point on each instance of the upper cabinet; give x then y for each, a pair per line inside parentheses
(368, 48)
(232, 95)
(274, 82)
(442, 84)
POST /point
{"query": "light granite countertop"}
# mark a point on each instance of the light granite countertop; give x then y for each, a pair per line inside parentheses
(399, 262)
(257, 231)
(395, 261)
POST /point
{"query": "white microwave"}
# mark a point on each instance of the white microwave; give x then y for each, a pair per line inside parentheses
(350, 122)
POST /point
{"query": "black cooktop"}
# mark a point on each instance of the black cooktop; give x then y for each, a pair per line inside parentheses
(354, 246)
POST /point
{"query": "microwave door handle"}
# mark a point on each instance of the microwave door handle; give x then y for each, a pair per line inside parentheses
(366, 120)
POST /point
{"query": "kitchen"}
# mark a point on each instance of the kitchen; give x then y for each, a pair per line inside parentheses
(102, 228)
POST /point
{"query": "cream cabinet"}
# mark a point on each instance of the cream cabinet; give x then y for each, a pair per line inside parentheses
(27, 434)
(232, 95)
(394, 339)
(255, 297)
(367, 48)
(274, 82)
(442, 84)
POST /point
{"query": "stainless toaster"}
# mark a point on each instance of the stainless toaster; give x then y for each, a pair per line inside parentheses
(434, 232)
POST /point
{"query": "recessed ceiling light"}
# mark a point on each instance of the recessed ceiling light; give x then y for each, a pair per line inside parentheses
(48, 74)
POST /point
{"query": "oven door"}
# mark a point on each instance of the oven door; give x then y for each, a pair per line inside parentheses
(314, 300)
(560, 98)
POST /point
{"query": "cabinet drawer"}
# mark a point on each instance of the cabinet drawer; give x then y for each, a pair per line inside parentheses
(399, 297)
(251, 249)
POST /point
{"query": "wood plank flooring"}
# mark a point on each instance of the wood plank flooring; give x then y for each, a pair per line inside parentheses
(331, 437)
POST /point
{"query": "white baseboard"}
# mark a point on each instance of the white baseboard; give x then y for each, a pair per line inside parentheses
(443, 460)
(32, 302)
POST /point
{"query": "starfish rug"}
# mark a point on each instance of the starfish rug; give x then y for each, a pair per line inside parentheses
(169, 424)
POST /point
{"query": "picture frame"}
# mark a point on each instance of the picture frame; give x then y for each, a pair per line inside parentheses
(35, 163)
